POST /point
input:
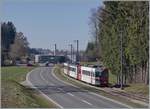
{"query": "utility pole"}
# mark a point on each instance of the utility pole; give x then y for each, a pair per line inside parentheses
(71, 51)
(121, 58)
(73, 54)
(55, 50)
(77, 54)
(77, 50)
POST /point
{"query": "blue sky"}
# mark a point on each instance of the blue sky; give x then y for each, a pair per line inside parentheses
(46, 22)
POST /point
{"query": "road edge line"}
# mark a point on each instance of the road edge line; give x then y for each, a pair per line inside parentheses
(62, 80)
(31, 85)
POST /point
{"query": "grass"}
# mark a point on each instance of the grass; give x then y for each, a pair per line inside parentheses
(15, 95)
(59, 73)
(138, 88)
(15, 73)
(112, 78)
(134, 88)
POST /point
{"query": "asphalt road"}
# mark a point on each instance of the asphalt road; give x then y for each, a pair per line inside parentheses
(65, 95)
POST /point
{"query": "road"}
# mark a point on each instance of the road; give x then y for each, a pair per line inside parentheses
(67, 96)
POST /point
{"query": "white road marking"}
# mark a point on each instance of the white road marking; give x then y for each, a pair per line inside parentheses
(70, 94)
(86, 102)
(45, 79)
(27, 79)
(62, 80)
(60, 89)
(111, 100)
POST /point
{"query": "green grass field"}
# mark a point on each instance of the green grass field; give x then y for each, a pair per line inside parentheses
(135, 88)
(15, 95)
(138, 88)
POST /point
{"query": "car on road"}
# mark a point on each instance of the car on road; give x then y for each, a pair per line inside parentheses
(29, 64)
(45, 64)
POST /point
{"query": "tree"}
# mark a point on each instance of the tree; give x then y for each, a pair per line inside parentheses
(20, 47)
(94, 22)
(129, 22)
(8, 32)
(90, 52)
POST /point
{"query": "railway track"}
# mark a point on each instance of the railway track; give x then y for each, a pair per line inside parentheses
(128, 95)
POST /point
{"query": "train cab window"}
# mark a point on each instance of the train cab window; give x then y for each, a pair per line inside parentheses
(97, 74)
(72, 69)
(105, 73)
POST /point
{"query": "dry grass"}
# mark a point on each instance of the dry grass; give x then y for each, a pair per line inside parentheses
(138, 88)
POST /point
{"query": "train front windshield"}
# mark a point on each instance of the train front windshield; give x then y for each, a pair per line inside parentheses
(104, 73)
(102, 77)
(101, 74)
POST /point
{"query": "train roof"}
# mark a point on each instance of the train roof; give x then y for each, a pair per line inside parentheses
(95, 66)
(90, 66)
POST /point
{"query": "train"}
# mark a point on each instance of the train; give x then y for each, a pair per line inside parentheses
(97, 76)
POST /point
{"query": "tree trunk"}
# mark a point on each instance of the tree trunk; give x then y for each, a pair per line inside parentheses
(145, 70)
(120, 79)
(135, 69)
(130, 74)
(142, 71)
(129, 77)
(147, 74)
(117, 80)
(125, 78)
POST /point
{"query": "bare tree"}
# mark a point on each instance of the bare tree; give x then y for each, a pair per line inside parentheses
(20, 47)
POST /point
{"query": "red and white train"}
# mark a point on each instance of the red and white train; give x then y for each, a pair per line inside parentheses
(95, 76)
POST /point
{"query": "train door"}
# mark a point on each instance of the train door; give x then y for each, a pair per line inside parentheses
(79, 72)
(91, 73)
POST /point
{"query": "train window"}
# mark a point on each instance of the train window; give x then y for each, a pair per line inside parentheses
(86, 72)
(72, 69)
(93, 73)
(97, 74)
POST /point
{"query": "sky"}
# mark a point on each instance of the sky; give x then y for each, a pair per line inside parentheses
(46, 22)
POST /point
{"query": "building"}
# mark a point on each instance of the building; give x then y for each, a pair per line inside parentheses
(43, 58)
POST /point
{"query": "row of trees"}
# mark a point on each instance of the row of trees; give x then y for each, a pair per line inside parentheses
(14, 45)
(120, 31)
